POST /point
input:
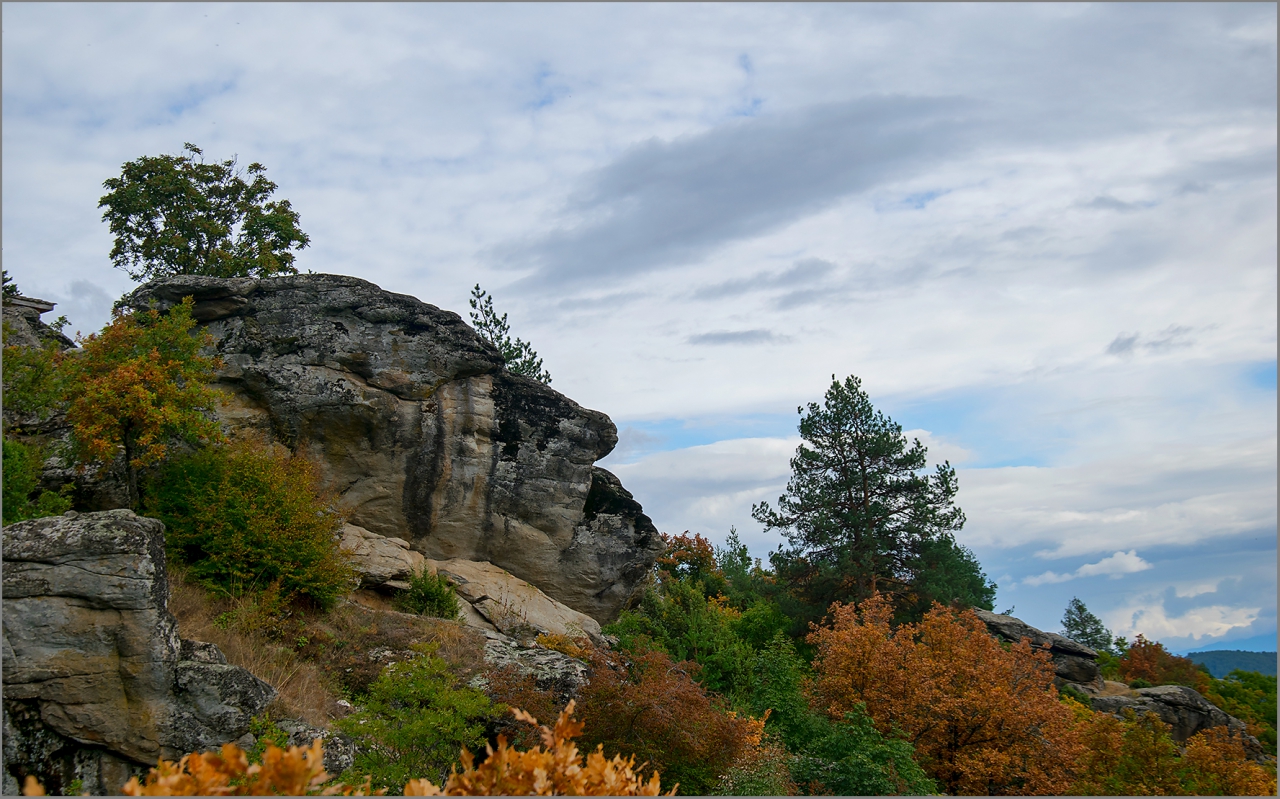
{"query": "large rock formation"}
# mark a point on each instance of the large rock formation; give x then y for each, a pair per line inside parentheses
(422, 432)
(1073, 662)
(97, 682)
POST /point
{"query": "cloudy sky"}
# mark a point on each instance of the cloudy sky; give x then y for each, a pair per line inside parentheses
(1044, 237)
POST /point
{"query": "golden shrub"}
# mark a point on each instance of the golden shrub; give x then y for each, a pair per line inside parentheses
(554, 769)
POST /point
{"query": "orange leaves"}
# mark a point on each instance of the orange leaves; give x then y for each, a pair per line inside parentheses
(283, 772)
(556, 768)
(1217, 764)
(983, 719)
(1150, 661)
(138, 383)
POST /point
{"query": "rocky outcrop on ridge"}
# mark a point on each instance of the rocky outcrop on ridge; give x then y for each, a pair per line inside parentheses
(1073, 662)
(1181, 707)
(97, 682)
(422, 432)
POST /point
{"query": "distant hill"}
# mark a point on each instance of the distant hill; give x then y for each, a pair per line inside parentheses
(1222, 662)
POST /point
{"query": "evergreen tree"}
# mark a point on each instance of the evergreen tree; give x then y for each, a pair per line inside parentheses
(1080, 625)
(860, 517)
(520, 355)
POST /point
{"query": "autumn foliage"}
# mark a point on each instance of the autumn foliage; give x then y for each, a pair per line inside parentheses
(1136, 756)
(138, 384)
(1150, 661)
(644, 703)
(983, 719)
(556, 768)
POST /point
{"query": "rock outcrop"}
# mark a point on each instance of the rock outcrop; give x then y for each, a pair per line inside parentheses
(422, 431)
(1182, 708)
(97, 682)
(381, 561)
(1073, 662)
(512, 606)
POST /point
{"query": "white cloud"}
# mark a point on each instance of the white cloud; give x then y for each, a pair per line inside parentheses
(1153, 622)
(1117, 565)
(975, 284)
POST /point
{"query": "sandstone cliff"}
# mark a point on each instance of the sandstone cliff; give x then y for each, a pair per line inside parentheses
(423, 433)
(97, 682)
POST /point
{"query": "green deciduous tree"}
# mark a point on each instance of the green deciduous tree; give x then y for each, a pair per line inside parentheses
(860, 517)
(181, 215)
(520, 355)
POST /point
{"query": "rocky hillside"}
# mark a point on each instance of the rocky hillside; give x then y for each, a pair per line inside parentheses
(423, 433)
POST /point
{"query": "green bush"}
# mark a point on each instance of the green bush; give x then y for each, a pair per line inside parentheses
(414, 722)
(1139, 683)
(21, 479)
(844, 758)
(429, 595)
(245, 518)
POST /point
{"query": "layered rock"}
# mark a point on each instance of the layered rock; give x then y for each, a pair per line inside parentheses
(1073, 662)
(96, 678)
(381, 561)
(422, 432)
(1181, 707)
(511, 605)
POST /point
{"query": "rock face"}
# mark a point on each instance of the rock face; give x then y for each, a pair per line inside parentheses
(422, 431)
(379, 560)
(1073, 662)
(1182, 708)
(511, 605)
(96, 679)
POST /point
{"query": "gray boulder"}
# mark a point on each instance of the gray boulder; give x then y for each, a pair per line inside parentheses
(423, 433)
(92, 658)
(1073, 662)
(1181, 707)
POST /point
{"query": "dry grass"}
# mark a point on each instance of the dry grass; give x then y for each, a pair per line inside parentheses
(312, 657)
(304, 689)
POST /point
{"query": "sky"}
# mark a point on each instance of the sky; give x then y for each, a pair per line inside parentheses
(1043, 236)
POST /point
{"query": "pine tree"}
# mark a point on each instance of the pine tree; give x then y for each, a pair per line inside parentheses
(860, 517)
(1081, 626)
(520, 356)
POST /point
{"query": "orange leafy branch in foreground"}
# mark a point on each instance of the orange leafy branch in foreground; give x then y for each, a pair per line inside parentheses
(554, 769)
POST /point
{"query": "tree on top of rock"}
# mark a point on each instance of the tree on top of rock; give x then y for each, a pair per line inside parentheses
(1079, 624)
(520, 356)
(176, 215)
(860, 517)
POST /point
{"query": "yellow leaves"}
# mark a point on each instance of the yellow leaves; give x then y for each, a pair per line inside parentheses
(139, 382)
(283, 772)
(555, 768)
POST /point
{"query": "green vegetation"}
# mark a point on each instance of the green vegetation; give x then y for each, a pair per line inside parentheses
(245, 518)
(1221, 662)
(415, 720)
(1250, 697)
(520, 356)
(1079, 624)
(175, 215)
(429, 595)
(22, 497)
(860, 518)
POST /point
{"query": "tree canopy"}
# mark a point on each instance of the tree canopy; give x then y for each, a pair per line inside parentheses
(860, 518)
(520, 356)
(138, 384)
(181, 215)
(1079, 624)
